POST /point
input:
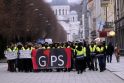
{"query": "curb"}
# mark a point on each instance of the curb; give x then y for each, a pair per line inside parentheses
(3, 61)
(115, 74)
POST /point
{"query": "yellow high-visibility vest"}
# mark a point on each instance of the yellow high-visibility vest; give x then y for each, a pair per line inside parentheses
(10, 50)
(25, 49)
(106, 46)
(82, 52)
(92, 49)
(100, 49)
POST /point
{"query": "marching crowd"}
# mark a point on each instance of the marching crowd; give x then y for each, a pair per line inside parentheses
(93, 56)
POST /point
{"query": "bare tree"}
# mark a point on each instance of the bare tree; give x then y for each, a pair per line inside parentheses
(27, 20)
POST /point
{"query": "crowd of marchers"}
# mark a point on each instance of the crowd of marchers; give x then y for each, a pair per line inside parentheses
(93, 56)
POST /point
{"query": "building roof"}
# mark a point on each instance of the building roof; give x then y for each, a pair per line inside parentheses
(73, 12)
(60, 2)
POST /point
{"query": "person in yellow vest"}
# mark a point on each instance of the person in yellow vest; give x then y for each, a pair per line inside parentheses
(8, 61)
(100, 51)
(93, 56)
(25, 62)
(19, 60)
(80, 58)
(11, 63)
(30, 65)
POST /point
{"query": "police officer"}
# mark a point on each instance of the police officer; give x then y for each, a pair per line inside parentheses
(100, 50)
(93, 56)
(80, 58)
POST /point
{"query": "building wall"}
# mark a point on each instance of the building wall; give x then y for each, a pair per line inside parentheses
(119, 23)
(91, 16)
(110, 11)
(96, 12)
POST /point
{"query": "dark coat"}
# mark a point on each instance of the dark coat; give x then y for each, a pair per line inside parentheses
(110, 49)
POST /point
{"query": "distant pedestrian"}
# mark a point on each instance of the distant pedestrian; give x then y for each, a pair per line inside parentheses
(109, 52)
(117, 53)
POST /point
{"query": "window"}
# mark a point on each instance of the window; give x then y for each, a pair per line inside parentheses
(66, 12)
(73, 19)
(59, 11)
(63, 11)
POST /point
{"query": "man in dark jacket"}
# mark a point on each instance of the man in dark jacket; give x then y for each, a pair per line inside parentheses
(109, 52)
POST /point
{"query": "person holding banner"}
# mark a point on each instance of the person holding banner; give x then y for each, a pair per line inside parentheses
(10, 54)
(30, 47)
(26, 53)
(6, 52)
(33, 56)
(19, 61)
(80, 58)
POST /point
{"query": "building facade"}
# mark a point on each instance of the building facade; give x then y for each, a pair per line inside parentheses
(92, 20)
(67, 18)
(119, 23)
(101, 17)
(96, 21)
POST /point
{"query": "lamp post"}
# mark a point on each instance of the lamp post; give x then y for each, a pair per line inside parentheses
(111, 35)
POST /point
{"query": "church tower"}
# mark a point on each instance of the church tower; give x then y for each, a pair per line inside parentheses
(61, 9)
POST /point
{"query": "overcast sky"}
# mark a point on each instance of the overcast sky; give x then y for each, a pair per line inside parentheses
(75, 1)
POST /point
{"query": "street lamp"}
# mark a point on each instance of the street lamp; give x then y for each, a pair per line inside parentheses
(111, 34)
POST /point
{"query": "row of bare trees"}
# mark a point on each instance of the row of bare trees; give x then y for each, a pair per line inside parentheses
(27, 20)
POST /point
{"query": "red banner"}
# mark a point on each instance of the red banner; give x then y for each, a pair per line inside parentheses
(53, 58)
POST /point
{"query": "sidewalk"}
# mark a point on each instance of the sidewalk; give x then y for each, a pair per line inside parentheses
(3, 61)
(117, 68)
